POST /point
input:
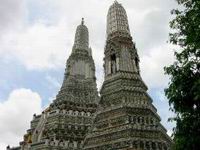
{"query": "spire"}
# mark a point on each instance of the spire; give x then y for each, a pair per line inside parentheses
(80, 63)
(82, 22)
(81, 41)
(126, 117)
(117, 19)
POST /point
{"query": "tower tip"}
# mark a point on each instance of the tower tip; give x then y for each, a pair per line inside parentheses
(115, 1)
(82, 22)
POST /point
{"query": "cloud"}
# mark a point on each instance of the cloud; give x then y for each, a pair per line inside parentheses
(12, 12)
(16, 113)
(39, 46)
(153, 63)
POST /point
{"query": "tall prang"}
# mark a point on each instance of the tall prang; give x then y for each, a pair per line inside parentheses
(64, 124)
(126, 118)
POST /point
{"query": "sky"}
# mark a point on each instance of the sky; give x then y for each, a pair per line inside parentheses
(36, 38)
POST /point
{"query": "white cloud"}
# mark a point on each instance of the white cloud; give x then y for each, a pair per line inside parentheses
(12, 12)
(39, 46)
(153, 63)
(15, 115)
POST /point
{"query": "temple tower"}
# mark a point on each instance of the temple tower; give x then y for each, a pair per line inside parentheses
(126, 118)
(64, 124)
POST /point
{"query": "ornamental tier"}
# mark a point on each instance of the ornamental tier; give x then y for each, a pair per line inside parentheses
(126, 118)
(64, 124)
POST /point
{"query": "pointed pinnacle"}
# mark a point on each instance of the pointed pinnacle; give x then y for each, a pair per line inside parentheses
(82, 22)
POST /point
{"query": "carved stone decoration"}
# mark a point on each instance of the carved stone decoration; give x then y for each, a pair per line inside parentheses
(126, 118)
(64, 124)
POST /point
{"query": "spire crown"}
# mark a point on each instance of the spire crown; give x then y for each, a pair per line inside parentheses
(81, 37)
(82, 22)
(117, 19)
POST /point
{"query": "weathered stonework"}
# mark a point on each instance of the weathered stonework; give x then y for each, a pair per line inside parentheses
(126, 118)
(64, 124)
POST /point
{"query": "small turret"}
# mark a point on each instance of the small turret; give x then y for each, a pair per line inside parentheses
(82, 22)
(81, 41)
(126, 117)
(8, 147)
(117, 19)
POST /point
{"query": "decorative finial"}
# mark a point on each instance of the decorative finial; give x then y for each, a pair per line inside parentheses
(82, 22)
(8, 147)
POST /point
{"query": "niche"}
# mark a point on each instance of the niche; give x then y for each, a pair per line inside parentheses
(137, 64)
(113, 63)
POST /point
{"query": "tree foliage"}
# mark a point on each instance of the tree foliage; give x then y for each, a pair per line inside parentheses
(184, 87)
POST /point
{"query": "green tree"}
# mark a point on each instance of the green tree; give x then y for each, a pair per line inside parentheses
(184, 86)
